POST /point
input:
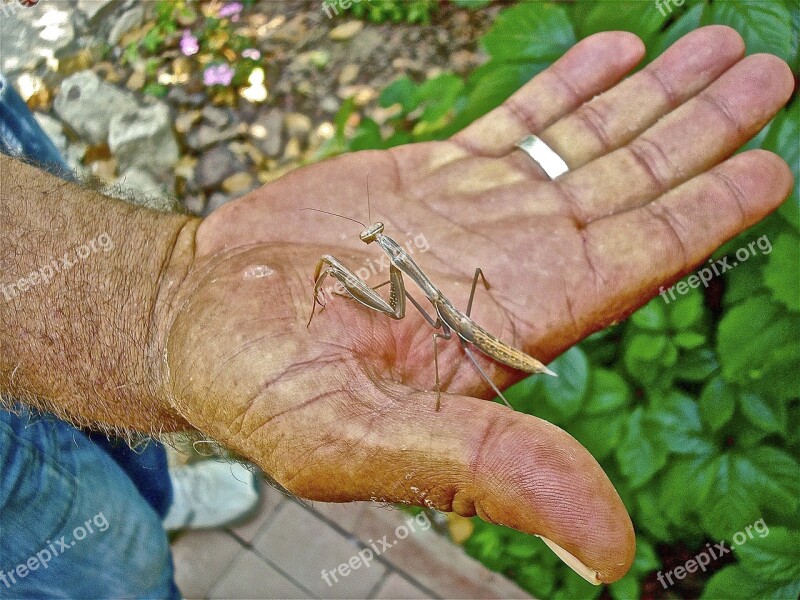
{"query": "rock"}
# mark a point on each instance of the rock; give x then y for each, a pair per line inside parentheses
(136, 81)
(91, 8)
(143, 138)
(462, 61)
(298, 125)
(329, 104)
(179, 95)
(104, 170)
(348, 74)
(292, 151)
(32, 34)
(54, 131)
(361, 94)
(185, 167)
(87, 105)
(248, 111)
(125, 22)
(247, 152)
(366, 46)
(195, 203)
(139, 187)
(218, 117)
(321, 134)
(216, 200)
(239, 184)
(185, 120)
(205, 136)
(267, 131)
(345, 31)
(215, 165)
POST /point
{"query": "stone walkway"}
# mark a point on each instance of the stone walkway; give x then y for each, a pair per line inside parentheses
(283, 549)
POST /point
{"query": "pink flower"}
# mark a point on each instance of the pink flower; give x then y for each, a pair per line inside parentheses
(189, 43)
(218, 75)
(251, 53)
(231, 9)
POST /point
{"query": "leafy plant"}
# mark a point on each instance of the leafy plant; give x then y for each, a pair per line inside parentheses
(692, 406)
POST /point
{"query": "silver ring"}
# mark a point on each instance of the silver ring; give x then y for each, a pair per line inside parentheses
(543, 155)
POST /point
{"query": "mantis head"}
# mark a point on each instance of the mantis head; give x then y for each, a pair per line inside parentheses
(371, 233)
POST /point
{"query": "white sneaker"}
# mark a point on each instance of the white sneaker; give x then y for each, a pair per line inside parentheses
(210, 493)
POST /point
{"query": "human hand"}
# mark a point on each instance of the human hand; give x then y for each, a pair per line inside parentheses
(340, 411)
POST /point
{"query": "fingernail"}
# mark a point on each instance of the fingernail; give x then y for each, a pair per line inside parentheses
(573, 563)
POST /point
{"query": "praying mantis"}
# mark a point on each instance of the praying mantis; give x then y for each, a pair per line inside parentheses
(448, 317)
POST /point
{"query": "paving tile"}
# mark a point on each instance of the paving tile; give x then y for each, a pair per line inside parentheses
(395, 587)
(268, 502)
(303, 545)
(345, 514)
(200, 558)
(431, 560)
(250, 577)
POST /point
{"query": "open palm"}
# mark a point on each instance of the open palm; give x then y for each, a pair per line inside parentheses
(343, 410)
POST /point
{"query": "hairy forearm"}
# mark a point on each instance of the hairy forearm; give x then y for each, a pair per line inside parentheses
(83, 279)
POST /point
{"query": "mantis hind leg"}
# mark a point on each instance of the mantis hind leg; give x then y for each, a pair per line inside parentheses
(484, 375)
(478, 273)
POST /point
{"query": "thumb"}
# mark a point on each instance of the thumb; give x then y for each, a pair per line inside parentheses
(471, 457)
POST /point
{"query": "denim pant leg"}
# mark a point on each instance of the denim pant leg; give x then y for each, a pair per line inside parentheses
(51, 474)
(72, 524)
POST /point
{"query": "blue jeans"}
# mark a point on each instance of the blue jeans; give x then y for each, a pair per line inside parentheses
(80, 517)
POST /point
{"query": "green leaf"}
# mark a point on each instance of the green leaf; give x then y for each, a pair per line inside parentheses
(685, 484)
(782, 139)
(782, 272)
(685, 23)
(609, 391)
(717, 402)
(724, 515)
(767, 413)
(765, 26)
(624, 15)
(566, 392)
(471, 4)
(599, 434)
(651, 316)
(438, 95)
(771, 553)
(685, 311)
(689, 339)
(748, 336)
(697, 364)
(646, 557)
(676, 423)
(401, 91)
(763, 475)
(638, 456)
(735, 583)
(492, 84)
(529, 31)
(626, 588)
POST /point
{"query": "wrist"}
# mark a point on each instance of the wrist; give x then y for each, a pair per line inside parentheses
(83, 277)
